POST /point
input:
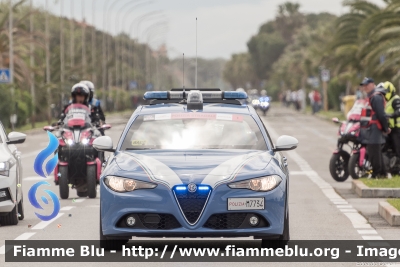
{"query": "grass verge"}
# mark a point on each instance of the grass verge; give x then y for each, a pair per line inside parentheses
(395, 202)
(382, 183)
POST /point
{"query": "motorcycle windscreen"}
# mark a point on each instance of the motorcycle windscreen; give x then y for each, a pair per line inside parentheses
(77, 115)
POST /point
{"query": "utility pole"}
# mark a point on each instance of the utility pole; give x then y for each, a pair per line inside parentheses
(62, 52)
(32, 63)
(72, 34)
(93, 44)
(48, 63)
(83, 40)
(325, 76)
(11, 58)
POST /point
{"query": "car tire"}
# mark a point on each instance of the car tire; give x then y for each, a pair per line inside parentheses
(21, 214)
(11, 218)
(355, 170)
(63, 182)
(108, 243)
(91, 178)
(339, 160)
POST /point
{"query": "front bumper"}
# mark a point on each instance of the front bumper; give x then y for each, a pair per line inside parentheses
(116, 206)
(10, 185)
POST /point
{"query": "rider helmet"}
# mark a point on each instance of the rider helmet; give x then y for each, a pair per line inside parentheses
(90, 85)
(389, 89)
(80, 89)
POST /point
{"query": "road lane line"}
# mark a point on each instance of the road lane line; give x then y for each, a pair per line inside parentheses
(367, 232)
(372, 237)
(43, 224)
(25, 236)
(67, 208)
(79, 200)
(357, 220)
(348, 210)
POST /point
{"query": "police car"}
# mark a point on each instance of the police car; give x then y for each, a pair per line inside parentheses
(194, 163)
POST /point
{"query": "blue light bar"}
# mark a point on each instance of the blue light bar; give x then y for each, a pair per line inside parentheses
(203, 187)
(235, 95)
(180, 188)
(156, 95)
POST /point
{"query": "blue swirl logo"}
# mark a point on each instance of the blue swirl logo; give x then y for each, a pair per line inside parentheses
(52, 163)
(50, 166)
(35, 203)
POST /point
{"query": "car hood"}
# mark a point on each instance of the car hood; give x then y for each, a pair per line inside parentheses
(210, 167)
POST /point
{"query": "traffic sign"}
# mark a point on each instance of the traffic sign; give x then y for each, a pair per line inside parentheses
(325, 75)
(13, 118)
(5, 76)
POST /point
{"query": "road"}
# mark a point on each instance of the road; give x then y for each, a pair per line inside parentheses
(320, 208)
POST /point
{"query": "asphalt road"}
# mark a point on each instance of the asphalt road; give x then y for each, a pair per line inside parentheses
(320, 208)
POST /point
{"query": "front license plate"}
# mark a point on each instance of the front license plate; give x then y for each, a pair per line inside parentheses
(256, 203)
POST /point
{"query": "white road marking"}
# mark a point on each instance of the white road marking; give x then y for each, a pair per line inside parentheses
(79, 200)
(367, 232)
(344, 206)
(372, 237)
(43, 224)
(2, 249)
(355, 218)
(67, 208)
(36, 178)
(25, 236)
(348, 210)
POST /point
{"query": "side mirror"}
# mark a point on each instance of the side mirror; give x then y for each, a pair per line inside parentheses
(103, 143)
(16, 138)
(48, 128)
(285, 143)
(335, 120)
(106, 126)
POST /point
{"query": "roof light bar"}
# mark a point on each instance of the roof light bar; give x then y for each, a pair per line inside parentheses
(206, 95)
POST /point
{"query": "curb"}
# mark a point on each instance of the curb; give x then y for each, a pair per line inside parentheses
(364, 191)
(389, 213)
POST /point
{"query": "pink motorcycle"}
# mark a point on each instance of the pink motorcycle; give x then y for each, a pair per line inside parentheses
(79, 164)
(349, 132)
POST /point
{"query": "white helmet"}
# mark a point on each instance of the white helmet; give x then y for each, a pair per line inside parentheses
(89, 84)
(80, 89)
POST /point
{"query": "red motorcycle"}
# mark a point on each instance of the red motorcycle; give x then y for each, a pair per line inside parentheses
(349, 132)
(79, 164)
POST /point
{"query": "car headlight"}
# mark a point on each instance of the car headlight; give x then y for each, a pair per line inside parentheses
(119, 184)
(266, 183)
(5, 168)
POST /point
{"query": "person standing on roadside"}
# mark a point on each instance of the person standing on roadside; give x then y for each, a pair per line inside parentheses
(316, 101)
(374, 126)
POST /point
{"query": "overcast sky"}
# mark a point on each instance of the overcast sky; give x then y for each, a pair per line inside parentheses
(224, 26)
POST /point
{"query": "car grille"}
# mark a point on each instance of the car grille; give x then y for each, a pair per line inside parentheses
(223, 221)
(192, 204)
(166, 221)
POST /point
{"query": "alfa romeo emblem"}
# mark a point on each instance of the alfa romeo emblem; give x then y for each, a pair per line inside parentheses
(192, 187)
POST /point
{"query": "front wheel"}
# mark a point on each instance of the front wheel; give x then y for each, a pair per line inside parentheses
(338, 166)
(91, 178)
(11, 218)
(63, 181)
(356, 171)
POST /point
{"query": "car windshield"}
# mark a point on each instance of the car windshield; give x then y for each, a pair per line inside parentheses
(194, 131)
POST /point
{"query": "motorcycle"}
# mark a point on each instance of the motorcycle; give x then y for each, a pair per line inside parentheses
(360, 167)
(79, 164)
(349, 132)
(264, 104)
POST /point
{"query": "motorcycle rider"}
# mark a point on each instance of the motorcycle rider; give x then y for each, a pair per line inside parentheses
(97, 114)
(392, 109)
(374, 126)
(80, 95)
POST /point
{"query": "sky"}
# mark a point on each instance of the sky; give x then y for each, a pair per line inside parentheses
(223, 26)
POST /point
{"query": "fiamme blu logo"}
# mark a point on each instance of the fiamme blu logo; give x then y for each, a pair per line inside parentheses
(49, 168)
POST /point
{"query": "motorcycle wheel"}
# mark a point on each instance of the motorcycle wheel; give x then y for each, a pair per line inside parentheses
(338, 166)
(63, 182)
(91, 177)
(355, 170)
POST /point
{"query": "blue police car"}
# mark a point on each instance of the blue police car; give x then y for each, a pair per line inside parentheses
(194, 163)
